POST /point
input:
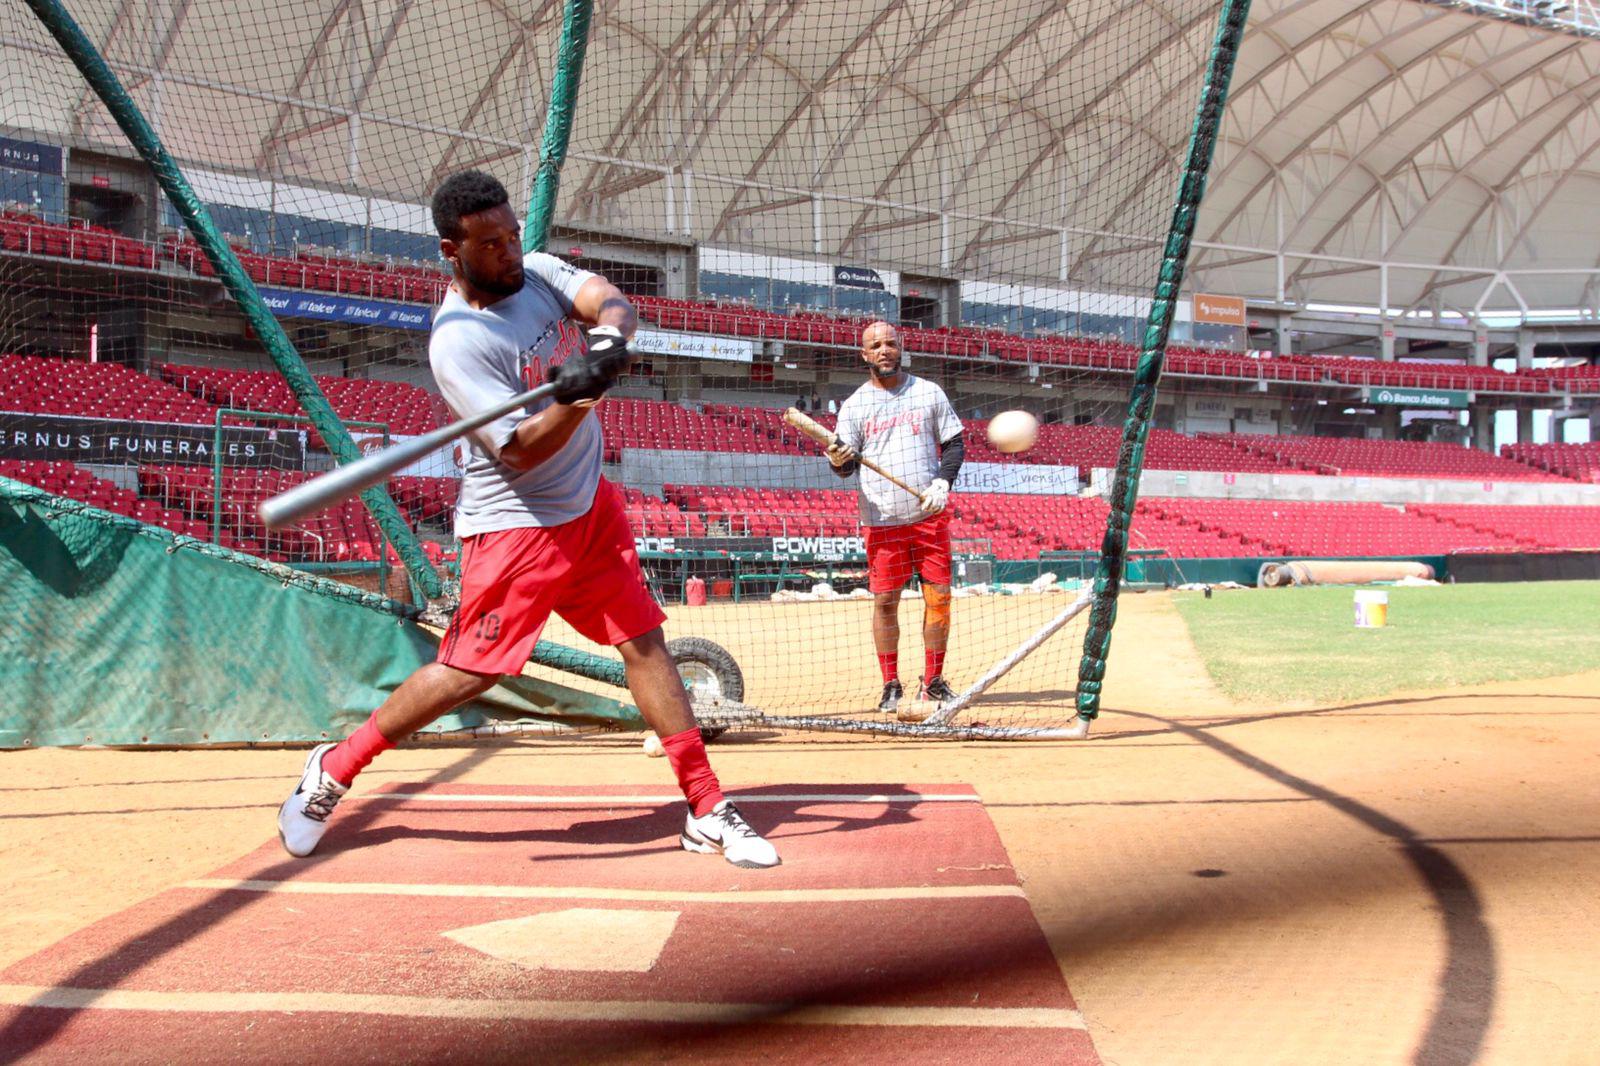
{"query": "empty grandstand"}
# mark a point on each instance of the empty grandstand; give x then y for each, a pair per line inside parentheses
(186, 497)
(1328, 390)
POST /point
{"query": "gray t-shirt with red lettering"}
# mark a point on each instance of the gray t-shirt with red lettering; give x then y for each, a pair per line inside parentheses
(483, 358)
(900, 429)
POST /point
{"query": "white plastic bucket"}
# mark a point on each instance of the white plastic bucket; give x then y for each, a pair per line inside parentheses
(1372, 608)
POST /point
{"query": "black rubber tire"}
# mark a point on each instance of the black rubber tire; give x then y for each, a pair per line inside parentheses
(714, 657)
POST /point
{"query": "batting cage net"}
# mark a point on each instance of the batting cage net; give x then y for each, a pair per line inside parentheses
(994, 182)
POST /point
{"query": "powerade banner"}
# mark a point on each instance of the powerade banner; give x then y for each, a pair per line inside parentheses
(291, 303)
(26, 155)
(857, 277)
(820, 547)
(110, 440)
(823, 548)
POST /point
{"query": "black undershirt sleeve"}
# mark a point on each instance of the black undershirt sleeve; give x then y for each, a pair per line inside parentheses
(951, 455)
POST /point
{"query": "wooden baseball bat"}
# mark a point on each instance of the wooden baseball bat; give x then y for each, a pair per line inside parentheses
(823, 436)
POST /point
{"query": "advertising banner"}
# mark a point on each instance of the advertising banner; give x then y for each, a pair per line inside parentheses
(26, 155)
(291, 303)
(1027, 478)
(858, 277)
(1440, 398)
(692, 346)
(1218, 310)
(822, 548)
(110, 440)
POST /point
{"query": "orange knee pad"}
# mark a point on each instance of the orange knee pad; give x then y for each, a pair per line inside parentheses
(937, 604)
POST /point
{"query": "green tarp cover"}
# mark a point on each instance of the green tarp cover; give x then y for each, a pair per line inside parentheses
(114, 632)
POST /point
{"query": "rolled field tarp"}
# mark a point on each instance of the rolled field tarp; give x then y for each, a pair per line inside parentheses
(1339, 572)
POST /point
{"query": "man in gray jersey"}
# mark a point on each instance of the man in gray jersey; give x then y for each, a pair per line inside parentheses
(904, 424)
(542, 532)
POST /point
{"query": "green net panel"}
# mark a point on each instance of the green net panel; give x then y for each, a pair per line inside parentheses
(995, 179)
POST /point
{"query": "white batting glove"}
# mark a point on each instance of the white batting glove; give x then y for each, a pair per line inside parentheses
(935, 496)
(839, 453)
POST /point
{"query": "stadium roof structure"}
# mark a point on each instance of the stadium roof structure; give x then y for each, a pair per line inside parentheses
(950, 127)
(1422, 153)
(1417, 153)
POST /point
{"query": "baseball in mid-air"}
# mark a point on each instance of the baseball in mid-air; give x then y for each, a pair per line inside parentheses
(1013, 431)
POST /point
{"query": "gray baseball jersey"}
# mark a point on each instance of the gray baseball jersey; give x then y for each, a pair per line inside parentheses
(483, 358)
(900, 429)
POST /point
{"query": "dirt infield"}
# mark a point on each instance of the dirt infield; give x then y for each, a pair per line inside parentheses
(1404, 879)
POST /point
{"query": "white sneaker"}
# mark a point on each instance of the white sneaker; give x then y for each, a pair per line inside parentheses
(303, 818)
(724, 829)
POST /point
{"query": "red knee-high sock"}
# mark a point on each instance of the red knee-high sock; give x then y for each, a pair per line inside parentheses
(890, 665)
(352, 754)
(934, 661)
(687, 754)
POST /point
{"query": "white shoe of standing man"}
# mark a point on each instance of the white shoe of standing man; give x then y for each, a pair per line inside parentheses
(303, 818)
(724, 829)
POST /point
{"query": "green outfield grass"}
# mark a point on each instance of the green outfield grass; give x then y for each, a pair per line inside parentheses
(1301, 644)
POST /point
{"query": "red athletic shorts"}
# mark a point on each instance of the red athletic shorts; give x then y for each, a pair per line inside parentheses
(585, 570)
(895, 552)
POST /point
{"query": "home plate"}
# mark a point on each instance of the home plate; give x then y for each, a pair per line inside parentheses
(487, 924)
(578, 938)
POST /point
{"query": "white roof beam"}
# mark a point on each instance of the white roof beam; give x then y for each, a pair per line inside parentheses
(269, 144)
(1314, 89)
(644, 107)
(889, 79)
(1498, 90)
(1109, 221)
(805, 105)
(938, 123)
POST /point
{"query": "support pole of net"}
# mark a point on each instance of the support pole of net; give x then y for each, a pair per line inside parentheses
(558, 123)
(564, 83)
(92, 65)
(1124, 492)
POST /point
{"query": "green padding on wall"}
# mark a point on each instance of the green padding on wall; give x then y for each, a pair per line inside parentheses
(120, 633)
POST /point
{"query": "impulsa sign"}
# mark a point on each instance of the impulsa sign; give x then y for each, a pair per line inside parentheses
(1218, 310)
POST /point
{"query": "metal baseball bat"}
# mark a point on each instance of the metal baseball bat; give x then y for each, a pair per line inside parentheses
(821, 434)
(325, 490)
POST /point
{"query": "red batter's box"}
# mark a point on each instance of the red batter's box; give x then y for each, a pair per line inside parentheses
(467, 923)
